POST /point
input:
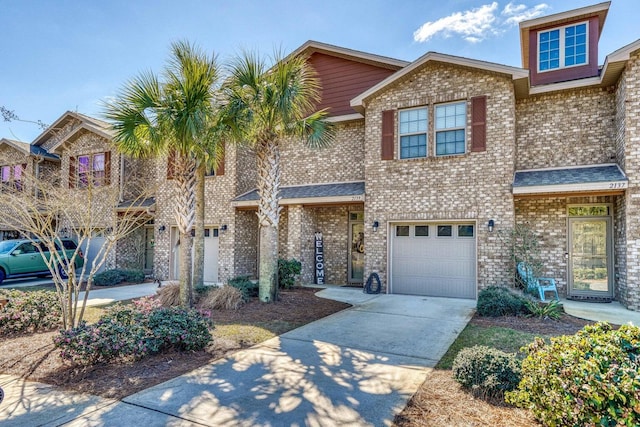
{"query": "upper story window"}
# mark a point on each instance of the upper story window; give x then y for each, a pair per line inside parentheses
(88, 169)
(11, 175)
(563, 47)
(413, 133)
(450, 128)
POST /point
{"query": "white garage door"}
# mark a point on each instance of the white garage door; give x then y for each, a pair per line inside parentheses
(210, 254)
(434, 259)
(91, 250)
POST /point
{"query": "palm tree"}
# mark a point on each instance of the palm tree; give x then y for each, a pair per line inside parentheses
(154, 116)
(264, 107)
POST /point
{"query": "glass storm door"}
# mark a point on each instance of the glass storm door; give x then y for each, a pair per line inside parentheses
(356, 247)
(590, 260)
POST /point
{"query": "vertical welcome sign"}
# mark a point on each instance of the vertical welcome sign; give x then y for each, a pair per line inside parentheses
(319, 259)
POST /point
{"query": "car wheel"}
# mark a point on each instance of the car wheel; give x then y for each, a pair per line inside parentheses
(3, 276)
(62, 272)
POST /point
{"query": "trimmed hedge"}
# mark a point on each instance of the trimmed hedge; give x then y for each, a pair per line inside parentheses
(288, 269)
(246, 286)
(590, 378)
(486, 371)
(118, 275)
(496, 301)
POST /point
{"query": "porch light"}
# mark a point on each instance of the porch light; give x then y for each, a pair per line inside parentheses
(161, 229)
(223, 227)
(490, 225)
(375, 226)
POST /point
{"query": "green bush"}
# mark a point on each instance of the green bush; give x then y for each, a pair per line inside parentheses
(496, 301)
(486, 371)
(117, 275)
(551, 310)
(133, 332)
(29, 311)
(246, 286)
(590, 378)
(287, 272)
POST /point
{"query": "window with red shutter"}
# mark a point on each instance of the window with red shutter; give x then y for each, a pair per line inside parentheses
(388, 134)
(479, 123)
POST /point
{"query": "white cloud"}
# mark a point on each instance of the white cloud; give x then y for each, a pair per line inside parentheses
(475, 25)
(515, 13)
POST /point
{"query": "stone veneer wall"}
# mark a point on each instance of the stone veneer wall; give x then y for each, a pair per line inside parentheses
(474, 186)
(130, 251)
(629, 143)
(246, 243)
(567, 128)
(342, 161)
(9, 156)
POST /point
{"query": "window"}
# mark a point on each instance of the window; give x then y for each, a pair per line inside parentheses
(451, 121)
(11, 175)
(465, 231)
(445, 231)
(422, 231)
(402, 230)
(90, 168)
(413, 133)
(562, 47)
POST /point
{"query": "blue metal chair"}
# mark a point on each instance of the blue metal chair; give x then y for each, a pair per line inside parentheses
(541, 284)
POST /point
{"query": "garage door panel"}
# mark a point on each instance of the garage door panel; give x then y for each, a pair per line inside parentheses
(434, 266)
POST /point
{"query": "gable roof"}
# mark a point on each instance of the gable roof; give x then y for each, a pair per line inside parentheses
(312, 46)
(86, 124)
(516, 73)
(28, 149)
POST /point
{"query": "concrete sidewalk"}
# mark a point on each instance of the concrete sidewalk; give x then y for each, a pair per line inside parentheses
(101, 296)
(357, 367)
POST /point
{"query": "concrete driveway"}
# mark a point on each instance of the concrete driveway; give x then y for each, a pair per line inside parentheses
(357, 367)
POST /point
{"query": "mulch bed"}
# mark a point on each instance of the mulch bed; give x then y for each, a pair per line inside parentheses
(34, 357)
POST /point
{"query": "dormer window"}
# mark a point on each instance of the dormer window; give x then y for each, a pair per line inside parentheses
(563, 47)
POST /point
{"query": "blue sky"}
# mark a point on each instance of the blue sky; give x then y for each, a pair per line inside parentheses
(70, 54)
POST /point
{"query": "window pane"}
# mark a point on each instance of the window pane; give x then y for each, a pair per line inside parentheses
(98, 169)
(450, 142)
(83, 171)
(422, 230)
(445, 231)
(402, 230)
(6, 173)
(216, 232)
(413, 146)
(465, 231)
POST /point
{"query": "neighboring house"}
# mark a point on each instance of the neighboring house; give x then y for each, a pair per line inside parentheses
(427, 155)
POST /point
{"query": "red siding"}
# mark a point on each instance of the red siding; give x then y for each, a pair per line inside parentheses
(342, 80)
(565, 74)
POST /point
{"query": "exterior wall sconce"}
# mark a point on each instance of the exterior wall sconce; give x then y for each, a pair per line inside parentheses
(375, 226)
(223, 227)
(161, 229)
(490, 225)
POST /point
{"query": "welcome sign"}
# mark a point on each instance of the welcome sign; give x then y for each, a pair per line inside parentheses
(319, 258)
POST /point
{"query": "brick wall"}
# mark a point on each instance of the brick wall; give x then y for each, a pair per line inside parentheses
(574, 127)
(474, 186)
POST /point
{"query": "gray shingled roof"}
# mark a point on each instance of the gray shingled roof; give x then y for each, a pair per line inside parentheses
(568, 176)
(142, 204)
(310, 191)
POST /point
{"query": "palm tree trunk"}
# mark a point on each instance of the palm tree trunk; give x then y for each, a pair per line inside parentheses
(268, 159)
(184, 214)
(198, 243)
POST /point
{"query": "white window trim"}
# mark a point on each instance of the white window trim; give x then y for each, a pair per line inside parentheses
(436, 130)
(562, 57)
(425, 133)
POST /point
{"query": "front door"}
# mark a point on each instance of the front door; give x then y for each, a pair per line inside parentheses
(149, 244)
(590, 259)
(356, 247)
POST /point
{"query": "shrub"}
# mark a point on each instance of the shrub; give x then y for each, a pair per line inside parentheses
(287, 272)
(551, 310)
(169, 294)
(133, 332)
(590, 378)
(224, 298)
(116, 276)
(29, 312)
(496, 301)
(246, 286)
(108, 278)
(486, 371)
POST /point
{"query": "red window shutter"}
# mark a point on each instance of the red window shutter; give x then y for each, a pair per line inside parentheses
(221, 160)
(171, 165)
(72, 172)
(107, 168)
(479, 123)
(388, 134)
